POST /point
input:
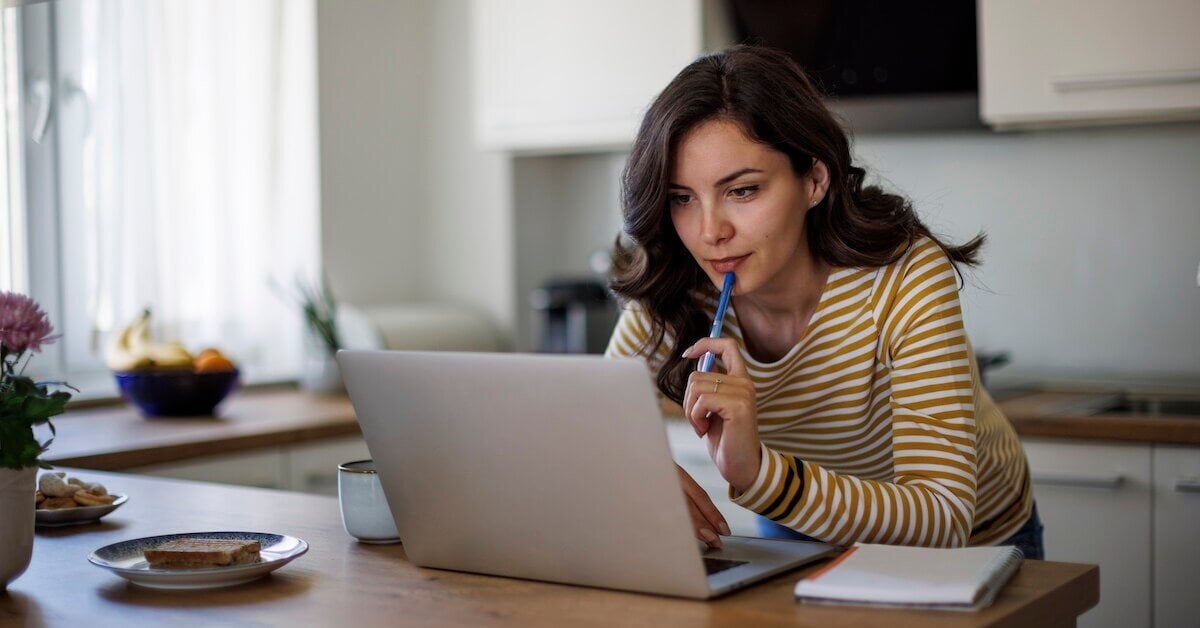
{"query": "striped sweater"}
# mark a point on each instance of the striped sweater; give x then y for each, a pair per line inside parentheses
(874, 427)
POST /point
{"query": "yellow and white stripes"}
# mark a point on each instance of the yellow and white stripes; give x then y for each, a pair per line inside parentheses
(874, 427)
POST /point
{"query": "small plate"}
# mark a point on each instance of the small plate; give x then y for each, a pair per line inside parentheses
(126, 559)
(79, 515)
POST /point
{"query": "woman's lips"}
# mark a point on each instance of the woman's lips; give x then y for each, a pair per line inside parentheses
(727, 264)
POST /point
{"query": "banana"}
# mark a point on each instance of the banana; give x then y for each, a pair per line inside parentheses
(132, 349)
(169, 355)
(139, 334)
(120, 354)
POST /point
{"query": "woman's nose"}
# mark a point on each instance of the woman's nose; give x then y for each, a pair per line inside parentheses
(715, 228)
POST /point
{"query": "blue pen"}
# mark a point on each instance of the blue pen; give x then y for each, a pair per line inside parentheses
(706, 361)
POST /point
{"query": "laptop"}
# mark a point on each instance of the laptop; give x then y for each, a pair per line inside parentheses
(544, 467)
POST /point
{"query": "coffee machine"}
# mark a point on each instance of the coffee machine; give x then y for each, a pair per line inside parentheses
(572, 316)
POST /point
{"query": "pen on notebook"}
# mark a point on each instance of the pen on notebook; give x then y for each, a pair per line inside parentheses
(706, 361)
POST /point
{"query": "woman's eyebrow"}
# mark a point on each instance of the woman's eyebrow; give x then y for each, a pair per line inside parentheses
(722, 181)
(730, 177)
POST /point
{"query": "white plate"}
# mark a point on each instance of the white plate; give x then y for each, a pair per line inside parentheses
(76, 516)
(126, 559)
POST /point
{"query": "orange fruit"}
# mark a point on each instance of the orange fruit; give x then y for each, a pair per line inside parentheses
(209, 351)
(213, 363)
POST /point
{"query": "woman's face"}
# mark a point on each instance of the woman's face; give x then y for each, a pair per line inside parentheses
(738, 206)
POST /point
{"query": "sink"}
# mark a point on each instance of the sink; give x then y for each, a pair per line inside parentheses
(1156, 406)
(1129, 403)
(1012, 392)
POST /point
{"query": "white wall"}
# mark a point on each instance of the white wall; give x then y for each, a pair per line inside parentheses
(1090, 271)
(411, 210)
(468, 226)
(373, 67)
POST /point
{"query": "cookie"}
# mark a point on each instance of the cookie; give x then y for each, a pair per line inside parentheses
(54, 486)
(84, 498)
(58, 503)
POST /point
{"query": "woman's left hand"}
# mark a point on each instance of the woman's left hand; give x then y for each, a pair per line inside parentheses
(722, 406)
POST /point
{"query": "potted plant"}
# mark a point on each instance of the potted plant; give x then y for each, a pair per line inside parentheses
(24, 404)
(319, 373)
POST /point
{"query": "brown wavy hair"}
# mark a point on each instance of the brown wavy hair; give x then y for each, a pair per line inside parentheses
(769, 96)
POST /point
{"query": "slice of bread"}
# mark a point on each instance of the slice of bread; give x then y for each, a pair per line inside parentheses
(203, 553)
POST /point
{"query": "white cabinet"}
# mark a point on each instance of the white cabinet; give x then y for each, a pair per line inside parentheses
(1095, 502)
(1062, 62)
(1176, 535)
(304, 467)
(553, 75)
(262, 468)
(312, 467)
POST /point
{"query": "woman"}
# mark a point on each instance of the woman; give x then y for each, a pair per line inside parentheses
(847, 406)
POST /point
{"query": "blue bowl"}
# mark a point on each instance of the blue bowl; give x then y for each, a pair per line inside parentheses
(176, 393)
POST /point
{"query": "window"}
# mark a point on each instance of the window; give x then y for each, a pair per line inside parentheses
(177, 171)
(12, 214)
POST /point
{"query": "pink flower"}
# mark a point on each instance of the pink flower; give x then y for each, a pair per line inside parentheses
(23, 325)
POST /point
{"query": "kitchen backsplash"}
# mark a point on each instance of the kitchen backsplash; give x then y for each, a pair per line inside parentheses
(1093, 238)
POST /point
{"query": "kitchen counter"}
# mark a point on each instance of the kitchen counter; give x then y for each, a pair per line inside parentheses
(117, 437)
(1057, 415)
(340, 582)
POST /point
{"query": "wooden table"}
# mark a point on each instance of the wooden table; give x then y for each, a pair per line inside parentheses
(343, 583)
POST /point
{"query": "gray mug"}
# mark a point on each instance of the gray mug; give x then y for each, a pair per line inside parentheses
(365, 512)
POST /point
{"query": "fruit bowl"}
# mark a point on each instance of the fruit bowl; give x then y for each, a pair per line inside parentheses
(176, 393)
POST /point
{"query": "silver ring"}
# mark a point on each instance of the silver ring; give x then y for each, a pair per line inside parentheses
(716, 385)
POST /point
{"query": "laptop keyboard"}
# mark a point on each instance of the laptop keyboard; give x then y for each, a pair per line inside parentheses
(717, 565)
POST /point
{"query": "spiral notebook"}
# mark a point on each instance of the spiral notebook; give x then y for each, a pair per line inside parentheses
(965, 579)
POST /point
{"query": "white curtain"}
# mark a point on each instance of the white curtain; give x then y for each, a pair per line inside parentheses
(199, 169)
(12, 225)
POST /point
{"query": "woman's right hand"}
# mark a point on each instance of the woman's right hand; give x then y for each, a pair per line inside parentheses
(706, 519)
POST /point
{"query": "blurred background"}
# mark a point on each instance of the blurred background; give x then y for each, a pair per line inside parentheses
(453, 167)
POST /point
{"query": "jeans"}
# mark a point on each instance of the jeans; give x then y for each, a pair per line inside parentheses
(1028, 539)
